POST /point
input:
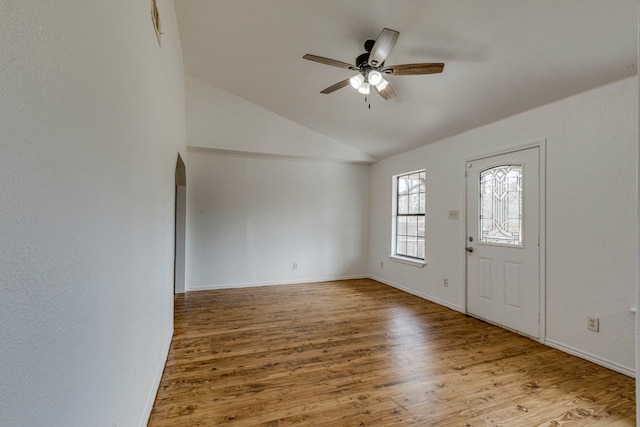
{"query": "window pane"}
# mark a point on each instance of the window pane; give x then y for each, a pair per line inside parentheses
(422, 204)
(403, 205)
(401, 228)
(414, 183)
(501, 205)
(414, 203)
(421, 226)
(421, 248)
(403, 185)
(412, 249)
(412, 226)
(401, 246)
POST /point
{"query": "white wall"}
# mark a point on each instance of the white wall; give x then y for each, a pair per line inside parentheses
(220, 120)
(592, 148)
(638, 253)
(181, 238)
(91, 118)
(250, 218)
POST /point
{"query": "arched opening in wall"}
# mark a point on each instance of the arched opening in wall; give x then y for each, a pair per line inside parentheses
(180, 227)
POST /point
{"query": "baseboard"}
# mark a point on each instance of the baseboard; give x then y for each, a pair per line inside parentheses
(417, 293)
(156, 381)
(559, 346)
(554, 344)
(592, 358)
(279, 282)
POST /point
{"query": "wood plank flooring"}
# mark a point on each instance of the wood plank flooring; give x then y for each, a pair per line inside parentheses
(359, 353)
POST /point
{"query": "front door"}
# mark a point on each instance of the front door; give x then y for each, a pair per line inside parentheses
(503, 285)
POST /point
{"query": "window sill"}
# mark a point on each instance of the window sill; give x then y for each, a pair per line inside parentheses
(408, 261)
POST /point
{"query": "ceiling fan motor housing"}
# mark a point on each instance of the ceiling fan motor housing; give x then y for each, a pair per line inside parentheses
(368, 45)
(362, 60)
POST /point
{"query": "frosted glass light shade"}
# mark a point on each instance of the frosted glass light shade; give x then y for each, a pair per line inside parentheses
(356, 81)
(375, 77)
(364, 89)
(383, 84)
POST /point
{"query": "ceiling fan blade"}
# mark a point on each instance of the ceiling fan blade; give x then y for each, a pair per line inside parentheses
(331, 62)
(382, 48)
(413, 69)
(336, 86)
(387, 93)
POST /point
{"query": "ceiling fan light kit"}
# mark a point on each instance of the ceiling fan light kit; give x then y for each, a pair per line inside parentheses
(356, 81)
(382, 85)
(365, 88)
(375, 78)
(370, 67)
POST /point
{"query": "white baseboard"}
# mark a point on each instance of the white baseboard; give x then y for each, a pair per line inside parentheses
(156, 381)
(551, 343)
(592, 358)
(559, 346)
(279, 282)
(418, 294)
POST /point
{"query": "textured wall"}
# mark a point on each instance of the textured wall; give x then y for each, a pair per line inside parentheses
(251, 218)
(592, 148)
(219, 120)
(91, 117)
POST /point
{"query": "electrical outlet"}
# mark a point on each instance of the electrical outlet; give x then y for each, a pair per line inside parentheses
(454, 214)
(445, 282)
(593, 324)
(381, 264)
(295, 265)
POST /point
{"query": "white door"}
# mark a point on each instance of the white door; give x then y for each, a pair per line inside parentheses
(503, 285)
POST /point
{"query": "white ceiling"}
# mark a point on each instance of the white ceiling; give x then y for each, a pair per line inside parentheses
(501, 57)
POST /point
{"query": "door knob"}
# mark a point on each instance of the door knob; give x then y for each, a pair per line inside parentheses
(468, 249)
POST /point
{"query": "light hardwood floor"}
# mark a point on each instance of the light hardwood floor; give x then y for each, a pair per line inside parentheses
(359, 353)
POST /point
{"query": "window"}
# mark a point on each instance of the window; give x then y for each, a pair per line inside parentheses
(409, 215)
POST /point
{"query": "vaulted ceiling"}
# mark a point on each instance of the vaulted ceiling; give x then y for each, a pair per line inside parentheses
(502, 57)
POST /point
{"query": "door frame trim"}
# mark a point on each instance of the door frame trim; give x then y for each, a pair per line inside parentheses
(542, 231)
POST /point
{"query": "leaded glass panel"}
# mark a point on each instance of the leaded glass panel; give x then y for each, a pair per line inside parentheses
(501, 205)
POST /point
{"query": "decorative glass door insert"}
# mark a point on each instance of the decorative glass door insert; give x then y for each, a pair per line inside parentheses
(501, 205)
(503, 259)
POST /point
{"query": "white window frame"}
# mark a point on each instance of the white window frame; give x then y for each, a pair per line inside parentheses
(394, 210)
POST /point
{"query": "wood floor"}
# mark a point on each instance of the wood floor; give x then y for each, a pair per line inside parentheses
(359, 353)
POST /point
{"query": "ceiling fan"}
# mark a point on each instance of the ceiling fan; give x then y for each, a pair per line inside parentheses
(371, 68)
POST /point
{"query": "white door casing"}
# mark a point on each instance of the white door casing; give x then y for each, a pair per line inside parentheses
(503, 238)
